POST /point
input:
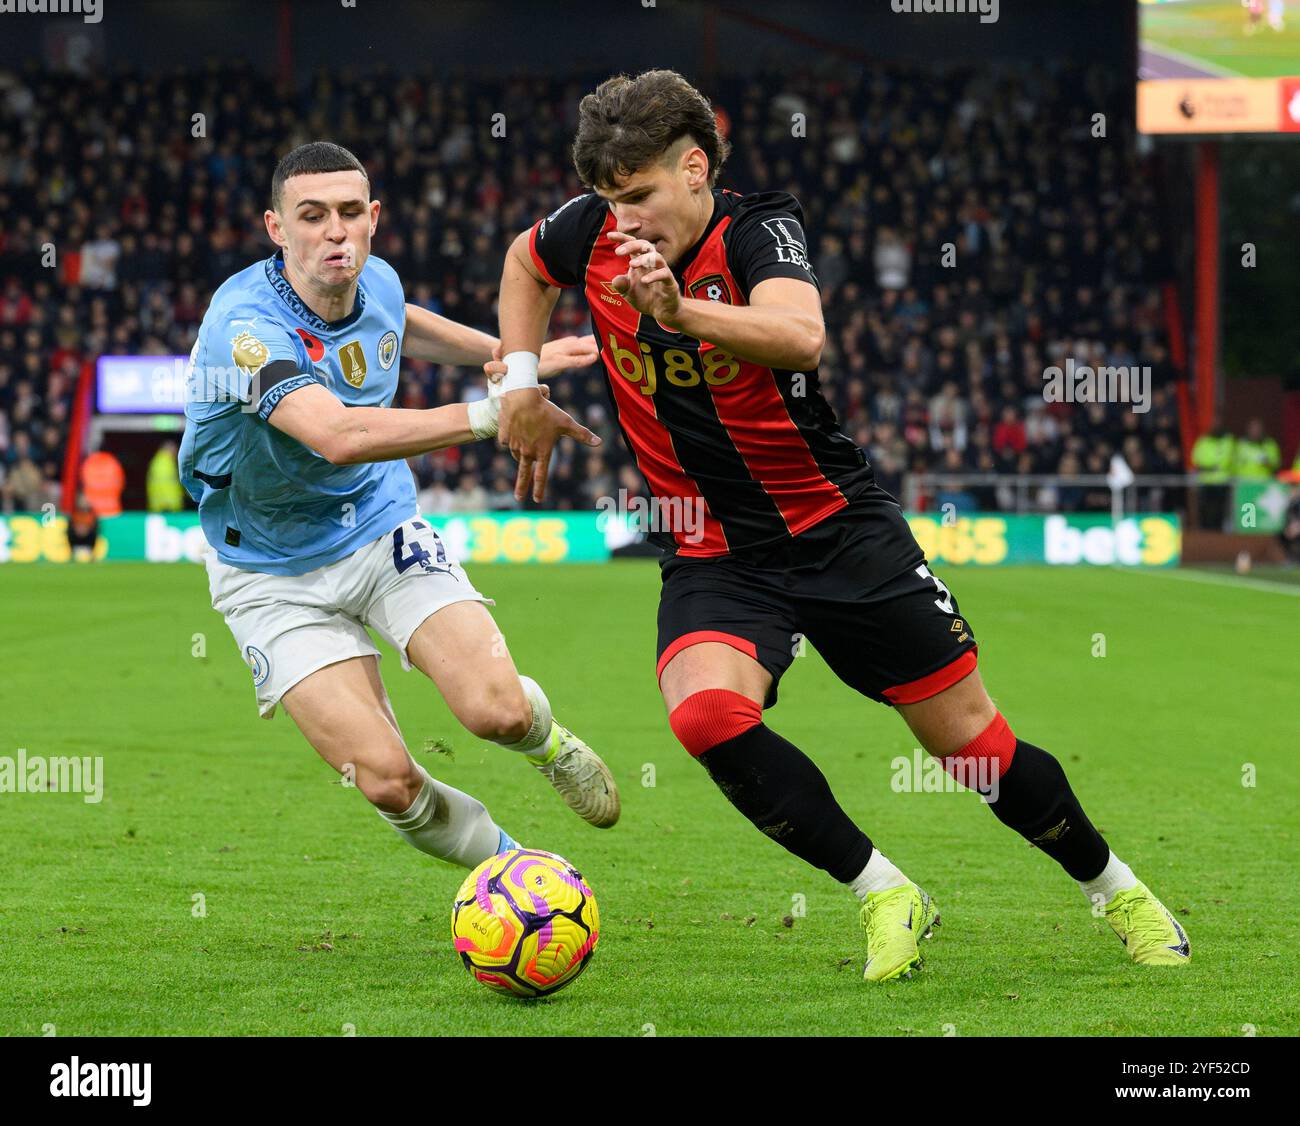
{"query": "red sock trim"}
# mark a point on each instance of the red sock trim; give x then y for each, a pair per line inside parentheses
(996, 742)
(705, 719)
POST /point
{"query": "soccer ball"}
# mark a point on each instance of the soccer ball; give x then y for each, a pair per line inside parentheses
(525, 922)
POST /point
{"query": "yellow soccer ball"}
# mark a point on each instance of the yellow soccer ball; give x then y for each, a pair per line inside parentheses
(525, 923)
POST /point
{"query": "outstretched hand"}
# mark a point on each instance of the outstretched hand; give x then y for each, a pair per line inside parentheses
(649, 284)
(529, 426)
(564, 353)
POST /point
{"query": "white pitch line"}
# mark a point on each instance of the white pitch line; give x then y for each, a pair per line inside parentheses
(1216, 580)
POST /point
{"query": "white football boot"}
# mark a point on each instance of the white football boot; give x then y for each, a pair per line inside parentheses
(580, 776)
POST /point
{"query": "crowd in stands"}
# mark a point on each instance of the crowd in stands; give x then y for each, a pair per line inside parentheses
(968, 231)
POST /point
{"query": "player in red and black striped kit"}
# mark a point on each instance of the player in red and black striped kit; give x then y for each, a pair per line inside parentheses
(705, 306)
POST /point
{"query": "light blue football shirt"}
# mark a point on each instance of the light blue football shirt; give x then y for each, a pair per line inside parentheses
(267, 502)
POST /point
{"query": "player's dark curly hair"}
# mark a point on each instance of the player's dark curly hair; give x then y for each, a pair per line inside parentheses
(315, 156)
(628, 123)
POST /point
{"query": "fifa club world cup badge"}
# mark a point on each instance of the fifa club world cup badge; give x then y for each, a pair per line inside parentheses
(353, 358)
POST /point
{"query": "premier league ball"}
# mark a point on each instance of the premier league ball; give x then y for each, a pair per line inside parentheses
(525, 923)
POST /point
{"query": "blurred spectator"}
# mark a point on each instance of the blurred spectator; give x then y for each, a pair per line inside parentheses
(83, 531)
(469, 496)
(163, 484)
(1069, 498)
(948, 419)
(25, 488)
(103, 479)
(1214, 457)
(501, 497)
(1009, 437)
(1289, 537)
(599, 481)
(435, 499)
(892, 259)
(1257, 455)
(99, 260)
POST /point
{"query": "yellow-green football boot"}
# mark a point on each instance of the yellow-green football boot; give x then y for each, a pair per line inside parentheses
(894, 921)
(580, 775)
(1147, 928)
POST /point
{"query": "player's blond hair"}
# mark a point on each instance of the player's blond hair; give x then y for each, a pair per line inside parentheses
(628, 123)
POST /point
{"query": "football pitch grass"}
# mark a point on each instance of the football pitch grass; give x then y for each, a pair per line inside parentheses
(227, 883)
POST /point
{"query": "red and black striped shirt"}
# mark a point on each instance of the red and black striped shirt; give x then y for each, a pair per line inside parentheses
(760, 445)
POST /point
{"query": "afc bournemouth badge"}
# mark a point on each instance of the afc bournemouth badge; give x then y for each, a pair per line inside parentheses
(387, 350)
(712, 288)
(353, 360)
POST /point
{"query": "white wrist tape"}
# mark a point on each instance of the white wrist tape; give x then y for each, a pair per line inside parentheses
(483, 414)
(521, 371)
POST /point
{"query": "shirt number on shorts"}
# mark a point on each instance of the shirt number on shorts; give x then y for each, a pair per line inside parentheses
(418, 554)
(944, 603)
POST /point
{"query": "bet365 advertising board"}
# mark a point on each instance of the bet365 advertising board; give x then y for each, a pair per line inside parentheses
(980, 540)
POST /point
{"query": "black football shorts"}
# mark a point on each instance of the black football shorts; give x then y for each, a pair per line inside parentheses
(856, 587)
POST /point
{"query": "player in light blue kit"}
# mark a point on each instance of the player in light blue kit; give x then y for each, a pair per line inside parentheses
(296, 458)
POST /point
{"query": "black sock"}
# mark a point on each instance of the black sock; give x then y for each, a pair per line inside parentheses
(1035, 799)
(782, 792)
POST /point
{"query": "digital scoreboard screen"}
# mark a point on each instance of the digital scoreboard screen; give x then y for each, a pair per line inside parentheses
(141, 384)
(1218, 66)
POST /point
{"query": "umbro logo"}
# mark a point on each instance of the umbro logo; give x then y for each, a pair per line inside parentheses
(611, 295)
(1055, 833)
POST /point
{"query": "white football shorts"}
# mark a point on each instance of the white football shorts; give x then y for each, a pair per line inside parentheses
(289, 626)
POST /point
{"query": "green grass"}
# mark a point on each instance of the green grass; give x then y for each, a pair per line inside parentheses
(318, 917)
(1213, 32)
(1288, 575)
